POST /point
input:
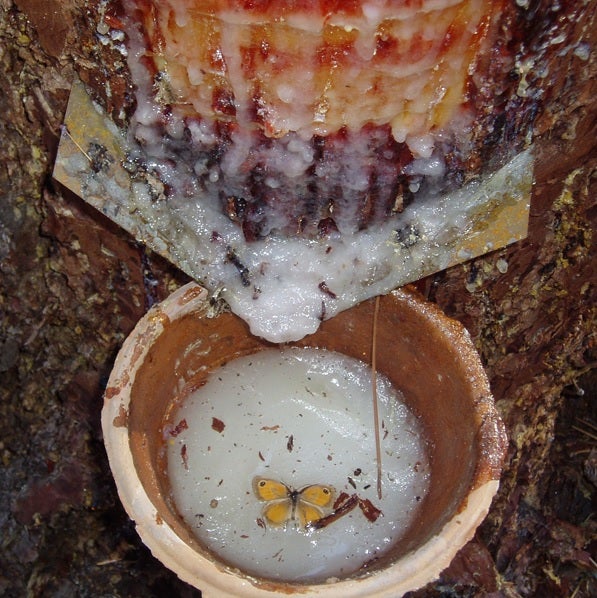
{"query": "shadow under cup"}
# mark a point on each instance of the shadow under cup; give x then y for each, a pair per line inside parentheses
(427, 356)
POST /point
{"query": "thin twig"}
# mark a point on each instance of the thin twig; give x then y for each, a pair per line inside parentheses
(587, 423)
(65, 130)
(375, 400)
(585, 432)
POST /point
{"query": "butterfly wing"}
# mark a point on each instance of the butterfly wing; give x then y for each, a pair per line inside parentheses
(310, 503)
(306, 513)
(266, 489)
(278, 512)
(317, 494)
(279, 498)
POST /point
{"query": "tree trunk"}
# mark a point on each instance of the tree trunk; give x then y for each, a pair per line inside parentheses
(73, 285)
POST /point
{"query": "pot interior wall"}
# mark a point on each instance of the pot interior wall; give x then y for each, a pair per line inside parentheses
(414, 350)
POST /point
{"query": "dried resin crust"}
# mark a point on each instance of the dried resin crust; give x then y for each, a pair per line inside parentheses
(306, 118)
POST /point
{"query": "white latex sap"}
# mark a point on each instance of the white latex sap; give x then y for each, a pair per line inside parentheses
(300, 416)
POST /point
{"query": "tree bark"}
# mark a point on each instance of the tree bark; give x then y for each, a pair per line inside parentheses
(73, 285)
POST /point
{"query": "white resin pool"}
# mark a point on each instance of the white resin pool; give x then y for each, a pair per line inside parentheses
(299, 416)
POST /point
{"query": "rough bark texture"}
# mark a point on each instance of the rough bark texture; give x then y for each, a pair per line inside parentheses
(73, 285)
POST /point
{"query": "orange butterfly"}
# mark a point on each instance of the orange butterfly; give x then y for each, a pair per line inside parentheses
(287, 504)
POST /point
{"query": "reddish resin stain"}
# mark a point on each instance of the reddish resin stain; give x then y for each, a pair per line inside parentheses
(190, 295)
(115, 390)
(180, 426)
(184, 456)
(217, 424)
(370, 511)
(111, 392)
(386, 46)
(121, 420)
(223, 102)
(254, 56)
(335, 52)
(275, 9)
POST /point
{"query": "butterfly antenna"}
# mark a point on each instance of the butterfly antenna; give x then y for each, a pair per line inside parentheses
(374, 392)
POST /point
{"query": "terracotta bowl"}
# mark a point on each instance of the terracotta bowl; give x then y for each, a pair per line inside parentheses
(428, 356)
